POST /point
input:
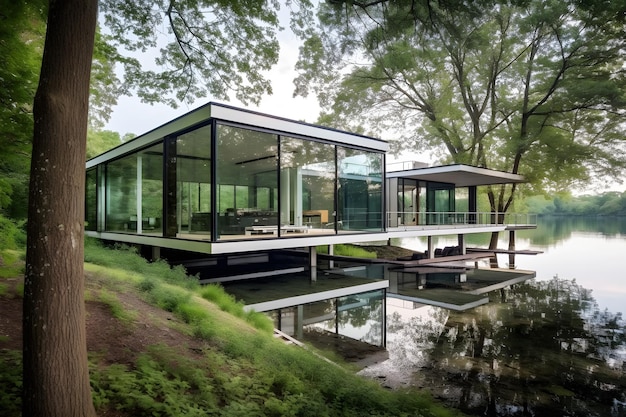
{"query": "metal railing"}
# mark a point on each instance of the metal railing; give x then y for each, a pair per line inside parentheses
(407, 219)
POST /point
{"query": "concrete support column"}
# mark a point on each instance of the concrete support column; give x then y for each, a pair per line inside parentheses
(156, 253)
(313, 263)
(331, 252)
(299, 322)
(462, 247)
(431, 249)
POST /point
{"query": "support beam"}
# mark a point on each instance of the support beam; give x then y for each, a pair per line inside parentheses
(156, 253)
(431, 248)
(462, 247)
(299, 322)
(331, 252)
(313, 263)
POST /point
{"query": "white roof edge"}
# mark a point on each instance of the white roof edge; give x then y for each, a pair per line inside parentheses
(245, 117)
(458, 168)
(248, 117)
(454, 168)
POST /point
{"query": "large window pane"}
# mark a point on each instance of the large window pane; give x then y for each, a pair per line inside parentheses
(150, 170)
(121, 195)
(307, 186)
(91, 200)
(360, 190)
(193, 178)
(134, 194)
(247, 169)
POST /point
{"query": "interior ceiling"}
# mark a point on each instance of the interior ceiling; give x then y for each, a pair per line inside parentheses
(459, 175)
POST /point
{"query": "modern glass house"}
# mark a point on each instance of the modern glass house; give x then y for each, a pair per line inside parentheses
(222, 180)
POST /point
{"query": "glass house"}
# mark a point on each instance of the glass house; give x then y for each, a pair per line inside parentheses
(222, 180)
(220, 177)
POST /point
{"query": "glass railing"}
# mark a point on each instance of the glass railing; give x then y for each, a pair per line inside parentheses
(408, 219)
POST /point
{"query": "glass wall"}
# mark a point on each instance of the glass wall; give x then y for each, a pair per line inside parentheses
(307, 186)
(134, 192)
(121, 195)
(360, 197)
(440, 201)
(91, 200)
(247, 176)
(150, 166)
(193, 182)
(264, 185)
(408, 201)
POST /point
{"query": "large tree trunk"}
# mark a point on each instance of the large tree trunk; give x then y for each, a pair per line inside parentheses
(56, 374)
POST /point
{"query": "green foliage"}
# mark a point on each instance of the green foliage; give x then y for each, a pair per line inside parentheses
(279, 382)
(214, 48)
(12, 234)
(105, 87)
(605, 204)
(100, 141)
(171, 288)
(10, 382)
(226, 302)
(241, 372)
(348, 250)
(117, 309)
(98, 254)
(21, 39)
(163, 383)
(534, 87)
(11, 264)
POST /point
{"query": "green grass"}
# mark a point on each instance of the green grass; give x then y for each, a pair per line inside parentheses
(12, 264)
(348, 250)
(117, 309)
(242, 371)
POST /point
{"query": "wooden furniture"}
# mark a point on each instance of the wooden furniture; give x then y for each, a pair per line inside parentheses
(321, 215)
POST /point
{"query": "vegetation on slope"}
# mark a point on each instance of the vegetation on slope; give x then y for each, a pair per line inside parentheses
(222, 360)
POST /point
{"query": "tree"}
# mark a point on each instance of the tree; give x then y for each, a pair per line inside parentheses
(21, 42)
(56, 375)
(100, 141)
(217, 47)
(528, 87)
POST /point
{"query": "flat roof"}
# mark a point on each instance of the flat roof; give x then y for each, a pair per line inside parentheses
(244, 117)
(460, 175)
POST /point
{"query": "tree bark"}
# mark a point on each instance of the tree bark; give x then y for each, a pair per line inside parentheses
(56, 374)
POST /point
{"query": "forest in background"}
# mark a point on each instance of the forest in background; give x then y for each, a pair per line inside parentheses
(605, 204)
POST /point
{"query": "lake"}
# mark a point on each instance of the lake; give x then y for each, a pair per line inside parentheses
(552, 346)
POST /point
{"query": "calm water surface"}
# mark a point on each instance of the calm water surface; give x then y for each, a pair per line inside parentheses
(553, 346)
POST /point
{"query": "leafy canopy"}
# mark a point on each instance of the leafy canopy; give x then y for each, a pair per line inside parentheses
(526, 86)
(198, 47)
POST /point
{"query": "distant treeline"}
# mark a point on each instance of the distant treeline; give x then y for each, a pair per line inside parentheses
(606, 204)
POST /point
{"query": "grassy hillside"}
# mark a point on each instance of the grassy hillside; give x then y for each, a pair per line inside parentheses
(161, 345)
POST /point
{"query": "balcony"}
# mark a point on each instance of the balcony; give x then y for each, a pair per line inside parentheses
(453, 220)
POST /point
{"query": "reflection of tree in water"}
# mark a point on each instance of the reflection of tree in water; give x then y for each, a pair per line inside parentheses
(546, 350)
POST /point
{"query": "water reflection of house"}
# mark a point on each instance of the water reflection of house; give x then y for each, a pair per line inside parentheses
(234, 186)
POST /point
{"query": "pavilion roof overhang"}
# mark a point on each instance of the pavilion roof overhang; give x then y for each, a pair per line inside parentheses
(460, 175)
